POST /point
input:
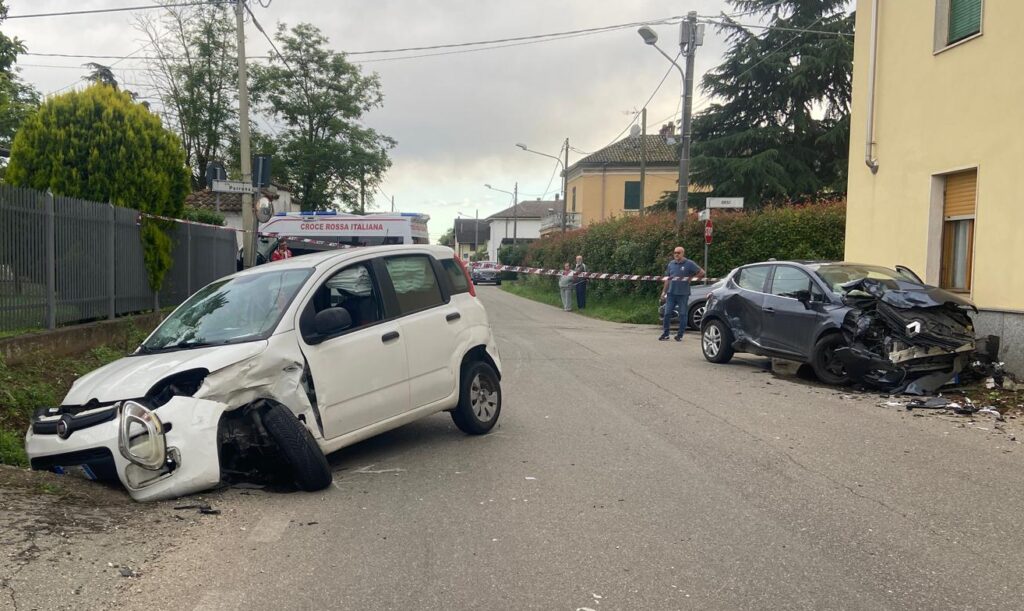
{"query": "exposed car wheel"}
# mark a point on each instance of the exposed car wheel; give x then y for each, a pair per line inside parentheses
(298, 448)
(479, 399)
(824, 362)
(696, 315)
(716, 342)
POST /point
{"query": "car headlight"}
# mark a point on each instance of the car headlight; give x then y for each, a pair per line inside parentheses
(141, 436)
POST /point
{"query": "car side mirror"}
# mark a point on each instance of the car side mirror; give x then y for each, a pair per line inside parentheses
(331, 321)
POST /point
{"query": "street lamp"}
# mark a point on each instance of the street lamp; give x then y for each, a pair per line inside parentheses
(690, 37)
(515, 211)
(565, 174)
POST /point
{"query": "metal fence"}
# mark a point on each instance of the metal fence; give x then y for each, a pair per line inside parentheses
(65, 260)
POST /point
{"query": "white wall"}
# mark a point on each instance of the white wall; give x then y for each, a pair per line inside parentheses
(503, 228)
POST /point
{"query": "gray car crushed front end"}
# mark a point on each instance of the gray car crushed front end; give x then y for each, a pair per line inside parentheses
(911, 338)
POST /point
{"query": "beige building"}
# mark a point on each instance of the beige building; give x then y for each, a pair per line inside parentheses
(606, 183)
(936, 151)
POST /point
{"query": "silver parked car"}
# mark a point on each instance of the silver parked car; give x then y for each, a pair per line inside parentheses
(695, 308)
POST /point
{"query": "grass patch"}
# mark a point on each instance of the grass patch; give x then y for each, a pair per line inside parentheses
(633, 309)
(43, 380)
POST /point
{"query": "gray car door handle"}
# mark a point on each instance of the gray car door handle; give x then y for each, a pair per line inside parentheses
(768, 310)
(387, 337)
(453, 317)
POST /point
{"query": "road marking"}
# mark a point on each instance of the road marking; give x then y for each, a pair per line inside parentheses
(219, 600)
(269, 529)
(367, 469)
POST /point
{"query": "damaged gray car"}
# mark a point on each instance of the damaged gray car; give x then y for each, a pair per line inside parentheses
(868, 324)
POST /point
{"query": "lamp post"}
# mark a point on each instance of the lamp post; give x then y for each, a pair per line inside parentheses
(691, 36)
(565, 173)
(515, 210)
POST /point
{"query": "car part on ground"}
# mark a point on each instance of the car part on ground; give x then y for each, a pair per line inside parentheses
(226, 388)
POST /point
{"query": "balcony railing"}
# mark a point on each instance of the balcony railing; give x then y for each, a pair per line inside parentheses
(553, 222)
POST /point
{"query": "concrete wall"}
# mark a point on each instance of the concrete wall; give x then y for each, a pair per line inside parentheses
(1009, 326)
(601, 195)
(936, 112)
(74, 340)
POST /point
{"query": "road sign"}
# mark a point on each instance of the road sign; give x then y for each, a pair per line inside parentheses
(725, 202)
(708, 229)
(231, 186)
(704, 215)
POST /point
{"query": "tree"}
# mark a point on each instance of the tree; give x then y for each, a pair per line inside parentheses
(195, 74)
(448, 239)
(780, 132)
(97, 144)
(98, 73)
(320, 98)
(17, 98)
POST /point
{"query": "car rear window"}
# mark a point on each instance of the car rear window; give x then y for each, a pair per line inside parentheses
(415, 283)
(459, 282)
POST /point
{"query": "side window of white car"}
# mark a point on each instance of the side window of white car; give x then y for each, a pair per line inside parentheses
(353, 289)
(415, 283)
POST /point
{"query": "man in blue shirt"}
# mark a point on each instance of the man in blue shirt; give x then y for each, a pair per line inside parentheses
(677, 292)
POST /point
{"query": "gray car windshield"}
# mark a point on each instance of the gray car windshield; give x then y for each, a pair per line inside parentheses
(835, 276)
(240, 309)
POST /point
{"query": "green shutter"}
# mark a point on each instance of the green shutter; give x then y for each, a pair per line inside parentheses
(964, 19)
(632, 201)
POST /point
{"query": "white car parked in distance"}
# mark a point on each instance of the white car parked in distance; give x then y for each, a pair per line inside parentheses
(275, 367)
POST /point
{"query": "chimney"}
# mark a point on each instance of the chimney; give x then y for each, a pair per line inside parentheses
(557, 195)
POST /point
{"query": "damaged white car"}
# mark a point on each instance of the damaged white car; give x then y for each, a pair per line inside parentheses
(267, 371)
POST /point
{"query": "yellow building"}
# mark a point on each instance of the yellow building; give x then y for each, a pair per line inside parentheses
(936, 151)
(606, 183)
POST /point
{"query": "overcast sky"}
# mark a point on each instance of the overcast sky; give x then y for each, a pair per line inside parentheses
(456, 117)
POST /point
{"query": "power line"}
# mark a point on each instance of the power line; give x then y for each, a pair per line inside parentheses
(495, 42)
(115, 10)
(776, 27)
(259, 27)
(653, 93)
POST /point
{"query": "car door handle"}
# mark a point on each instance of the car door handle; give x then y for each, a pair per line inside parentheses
(768, 310)
(387, 337)
(453, 317)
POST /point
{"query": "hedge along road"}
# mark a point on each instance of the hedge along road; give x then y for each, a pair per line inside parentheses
(626, 474)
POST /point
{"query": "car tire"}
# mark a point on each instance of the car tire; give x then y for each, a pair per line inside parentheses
(695, 315)
(823, 362)
(298, 448)
(716, 342)
(479, 399)
(497, 283)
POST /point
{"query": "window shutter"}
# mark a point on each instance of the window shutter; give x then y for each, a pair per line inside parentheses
(632, 199)
(961, 194)
(964, 19)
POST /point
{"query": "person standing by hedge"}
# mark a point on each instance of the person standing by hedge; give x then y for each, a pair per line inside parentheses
(581, 283)
(565, 283)
(677, 292)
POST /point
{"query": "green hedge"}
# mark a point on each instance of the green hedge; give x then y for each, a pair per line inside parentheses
(642, 245)
(202, 215)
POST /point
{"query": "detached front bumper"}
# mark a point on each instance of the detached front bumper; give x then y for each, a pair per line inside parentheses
(187, 428)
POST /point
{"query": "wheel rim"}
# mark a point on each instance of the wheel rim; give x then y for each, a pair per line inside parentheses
(831, 364)
(483, 398)
(698, 315)
(712, 341)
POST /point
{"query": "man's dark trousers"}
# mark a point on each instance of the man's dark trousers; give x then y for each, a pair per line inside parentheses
(671, 302)
(581, 294)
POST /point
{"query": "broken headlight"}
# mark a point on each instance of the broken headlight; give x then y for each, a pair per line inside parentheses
(141, 436)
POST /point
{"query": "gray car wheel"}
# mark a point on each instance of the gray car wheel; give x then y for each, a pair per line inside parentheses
(696, 315)
(479, 399)
(716, 342)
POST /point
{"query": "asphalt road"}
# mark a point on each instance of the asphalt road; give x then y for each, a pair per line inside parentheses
(626, 473)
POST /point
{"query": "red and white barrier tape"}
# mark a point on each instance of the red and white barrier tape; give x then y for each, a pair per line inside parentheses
(587, 275)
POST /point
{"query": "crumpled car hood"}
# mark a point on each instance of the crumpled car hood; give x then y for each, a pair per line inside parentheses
(905, 294)
(133, 376)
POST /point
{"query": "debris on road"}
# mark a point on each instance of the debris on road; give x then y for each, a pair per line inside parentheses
(202, 508)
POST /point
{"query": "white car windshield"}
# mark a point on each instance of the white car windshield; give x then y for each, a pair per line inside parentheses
(240, 309)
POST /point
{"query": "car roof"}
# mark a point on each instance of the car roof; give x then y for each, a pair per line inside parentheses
(331, 257)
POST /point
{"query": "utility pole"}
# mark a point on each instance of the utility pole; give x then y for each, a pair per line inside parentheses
(565, 185)
(245, 163)
(476, 231)
(392, 203)
(690, 37)
(515, 214)
(643, 157)
(362, 193)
